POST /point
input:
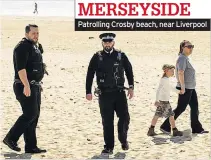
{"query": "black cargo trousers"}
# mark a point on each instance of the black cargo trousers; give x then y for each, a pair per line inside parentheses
(26, 124)
(110, 102)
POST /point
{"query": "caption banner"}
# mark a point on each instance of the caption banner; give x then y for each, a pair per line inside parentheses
(142, 24)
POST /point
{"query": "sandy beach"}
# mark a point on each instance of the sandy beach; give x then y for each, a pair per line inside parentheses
(70, 126)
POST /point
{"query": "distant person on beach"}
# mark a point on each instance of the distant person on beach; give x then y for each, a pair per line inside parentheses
(29, 71)
(162, 101)
(186, 82)
(35, 8)
(109, 65)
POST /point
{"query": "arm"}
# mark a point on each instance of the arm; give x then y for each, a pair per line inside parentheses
(23, 77)
(181, 78)
(90, 73)
(21, 58)
(173, 88)
(40, 47)
(129, 72)
(42, 51)
(160, 87)
(181, 64)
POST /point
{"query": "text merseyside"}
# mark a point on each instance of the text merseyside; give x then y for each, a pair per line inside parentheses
(134, 9)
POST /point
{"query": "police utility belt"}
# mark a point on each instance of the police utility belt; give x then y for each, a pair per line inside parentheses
(98, 91)
(32, 82)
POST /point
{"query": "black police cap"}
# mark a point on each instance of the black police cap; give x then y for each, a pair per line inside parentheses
(106, 36)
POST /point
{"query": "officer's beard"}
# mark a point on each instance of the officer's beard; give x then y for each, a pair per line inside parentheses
(33, 41)
(108, 48)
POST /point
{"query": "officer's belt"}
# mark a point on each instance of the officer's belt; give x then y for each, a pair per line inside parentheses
(32, 82)
(112, 89)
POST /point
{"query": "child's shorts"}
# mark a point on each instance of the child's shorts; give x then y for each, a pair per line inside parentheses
(164, 110)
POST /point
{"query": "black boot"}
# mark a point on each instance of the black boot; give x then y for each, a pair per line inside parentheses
(35, 150)
(11, 144)
(151, 132)
(202, 131)
(107, 150)
(176, 132)
(125, 146)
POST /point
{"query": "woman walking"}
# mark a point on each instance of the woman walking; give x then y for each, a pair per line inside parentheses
(185, 74)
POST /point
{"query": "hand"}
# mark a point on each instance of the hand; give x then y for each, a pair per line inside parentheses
(157, 104)
(41, 89)
(27, 91)
(45, 68)
(130, 93)
(89, 97)
(182, 91)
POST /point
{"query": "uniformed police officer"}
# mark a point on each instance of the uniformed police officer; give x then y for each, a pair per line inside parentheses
(29, 71)
(109, 65)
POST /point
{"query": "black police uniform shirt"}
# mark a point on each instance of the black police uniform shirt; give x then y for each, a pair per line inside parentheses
(109, 59)
(27, 55)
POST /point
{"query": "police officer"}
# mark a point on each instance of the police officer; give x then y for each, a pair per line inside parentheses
(109, 65)
(29, 71)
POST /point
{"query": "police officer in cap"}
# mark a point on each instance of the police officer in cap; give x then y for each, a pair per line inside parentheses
(109, 65)
(29, 71)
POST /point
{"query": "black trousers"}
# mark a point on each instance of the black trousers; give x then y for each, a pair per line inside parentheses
(189, 98)
(27, 122)
(110, 102)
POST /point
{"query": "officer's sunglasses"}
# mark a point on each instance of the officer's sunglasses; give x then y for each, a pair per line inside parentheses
(107, 40)
(190, 46)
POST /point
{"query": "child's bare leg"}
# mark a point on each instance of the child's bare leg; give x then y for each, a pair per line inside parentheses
(151, 131)
(154, 121)
(172, 122)
(173, 126)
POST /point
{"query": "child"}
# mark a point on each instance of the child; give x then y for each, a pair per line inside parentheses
(162, 101)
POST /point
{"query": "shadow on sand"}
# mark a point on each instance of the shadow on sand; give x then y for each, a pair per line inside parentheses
(118, 155)
(13, 155)
(187, 136)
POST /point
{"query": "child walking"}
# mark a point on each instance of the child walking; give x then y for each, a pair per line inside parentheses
(162, 101)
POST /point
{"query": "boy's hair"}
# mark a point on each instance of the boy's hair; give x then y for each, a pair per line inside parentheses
(167, 67)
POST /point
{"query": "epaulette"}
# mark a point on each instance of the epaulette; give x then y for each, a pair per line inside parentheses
(118, 50)
(119, 57)
(99, 52)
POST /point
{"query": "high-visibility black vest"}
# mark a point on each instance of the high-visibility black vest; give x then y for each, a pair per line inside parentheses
(35, 66)
(110, 74)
